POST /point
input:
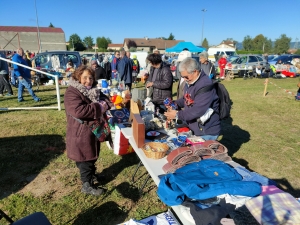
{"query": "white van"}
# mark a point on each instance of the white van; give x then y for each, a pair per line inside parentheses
(216, 52)
(141, 56)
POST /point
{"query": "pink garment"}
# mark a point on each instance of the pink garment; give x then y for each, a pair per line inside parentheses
(269, 190)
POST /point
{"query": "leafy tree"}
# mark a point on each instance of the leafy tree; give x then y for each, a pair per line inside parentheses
(171, 37)
(103, 42)
(258, 42)
(51, 25)
(205, 43)
(76, 43)
(88, 41)
(268, 45)
(247, 43)
(282, 44)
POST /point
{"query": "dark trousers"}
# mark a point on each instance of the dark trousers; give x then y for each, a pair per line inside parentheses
(5, 83)
(87, 169)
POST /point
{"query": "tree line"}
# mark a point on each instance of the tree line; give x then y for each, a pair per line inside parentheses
(261, 44)
(77, 44)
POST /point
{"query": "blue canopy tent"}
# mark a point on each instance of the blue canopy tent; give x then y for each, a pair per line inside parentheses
(189, 45)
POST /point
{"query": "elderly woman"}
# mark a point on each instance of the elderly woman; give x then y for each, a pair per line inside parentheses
(197, 105)
(205, 65)
(84, 104)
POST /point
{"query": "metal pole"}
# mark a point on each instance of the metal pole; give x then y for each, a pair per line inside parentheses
(37, 24)
(203, 10)
(57, 93)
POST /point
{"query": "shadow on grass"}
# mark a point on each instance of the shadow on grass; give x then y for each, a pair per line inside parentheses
(23, 157)
(282, 183)
(233, 136)
(106, 214)
(113, 171)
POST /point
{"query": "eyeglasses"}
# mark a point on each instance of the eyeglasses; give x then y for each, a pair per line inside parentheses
(187, 77)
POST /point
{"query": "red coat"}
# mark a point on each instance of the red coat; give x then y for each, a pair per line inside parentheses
(222, 62)
(82, 144)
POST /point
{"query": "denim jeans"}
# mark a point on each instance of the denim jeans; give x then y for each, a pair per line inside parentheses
(209, 137)
(25, 83)
(12, 78)
(252, 176)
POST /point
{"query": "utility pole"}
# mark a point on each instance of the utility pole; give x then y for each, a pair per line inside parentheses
(38, 29)
(203, 10)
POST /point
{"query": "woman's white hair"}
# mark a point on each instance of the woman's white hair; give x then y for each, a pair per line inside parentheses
(189, 64)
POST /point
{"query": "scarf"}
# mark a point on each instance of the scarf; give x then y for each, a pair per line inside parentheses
(93, 94)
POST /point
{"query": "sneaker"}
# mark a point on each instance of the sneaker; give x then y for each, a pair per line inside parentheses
(21, 100)
(87, 188)
(37, 100)
(8, 95)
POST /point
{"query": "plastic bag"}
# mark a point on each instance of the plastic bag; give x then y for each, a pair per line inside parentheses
(132, 222)
(166, 218)
(121, 86)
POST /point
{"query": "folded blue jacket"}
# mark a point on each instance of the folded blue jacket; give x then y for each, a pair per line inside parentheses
(202, 180)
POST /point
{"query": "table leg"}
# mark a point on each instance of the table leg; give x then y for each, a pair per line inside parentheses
(137, 168)
(141, 189)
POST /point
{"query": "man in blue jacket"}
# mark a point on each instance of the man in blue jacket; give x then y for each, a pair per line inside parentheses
(23, 76)
(124, 68)
(197, 106)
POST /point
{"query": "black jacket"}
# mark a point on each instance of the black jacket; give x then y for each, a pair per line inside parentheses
(100, 73)
(162, 86)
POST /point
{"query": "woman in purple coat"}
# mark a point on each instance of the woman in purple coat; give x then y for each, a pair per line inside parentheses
(83, 104)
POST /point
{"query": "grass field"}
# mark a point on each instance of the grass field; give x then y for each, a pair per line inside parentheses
(262, 134)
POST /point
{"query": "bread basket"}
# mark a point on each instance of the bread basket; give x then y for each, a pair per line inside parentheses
(155, 150)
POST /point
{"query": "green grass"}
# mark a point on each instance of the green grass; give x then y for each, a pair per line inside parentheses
(262, 134)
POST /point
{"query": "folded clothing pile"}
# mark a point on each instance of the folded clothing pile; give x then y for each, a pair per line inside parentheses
(185, 155)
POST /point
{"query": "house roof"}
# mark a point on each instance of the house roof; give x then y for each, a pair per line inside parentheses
(152, 42)
(31, 29)
(228, 43)
(115, 45)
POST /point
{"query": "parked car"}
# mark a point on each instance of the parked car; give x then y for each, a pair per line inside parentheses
(245, 62)
(87, 56)
(56, 60)
(44, 59)
(285, 59)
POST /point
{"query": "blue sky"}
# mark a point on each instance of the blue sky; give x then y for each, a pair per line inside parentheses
(120, 19)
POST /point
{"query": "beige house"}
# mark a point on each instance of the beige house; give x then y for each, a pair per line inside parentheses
(148, 44)
(225, 44)
(13, 37)
(114, 46)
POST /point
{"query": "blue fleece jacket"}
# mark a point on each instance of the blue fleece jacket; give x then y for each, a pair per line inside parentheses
(202, 102)
(19, 70)
(202, 180)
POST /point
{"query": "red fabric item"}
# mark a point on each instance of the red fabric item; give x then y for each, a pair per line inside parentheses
(222, 62)
(183, 129)
(288, 74)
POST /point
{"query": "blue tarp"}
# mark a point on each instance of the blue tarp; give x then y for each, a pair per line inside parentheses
(189, 45)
